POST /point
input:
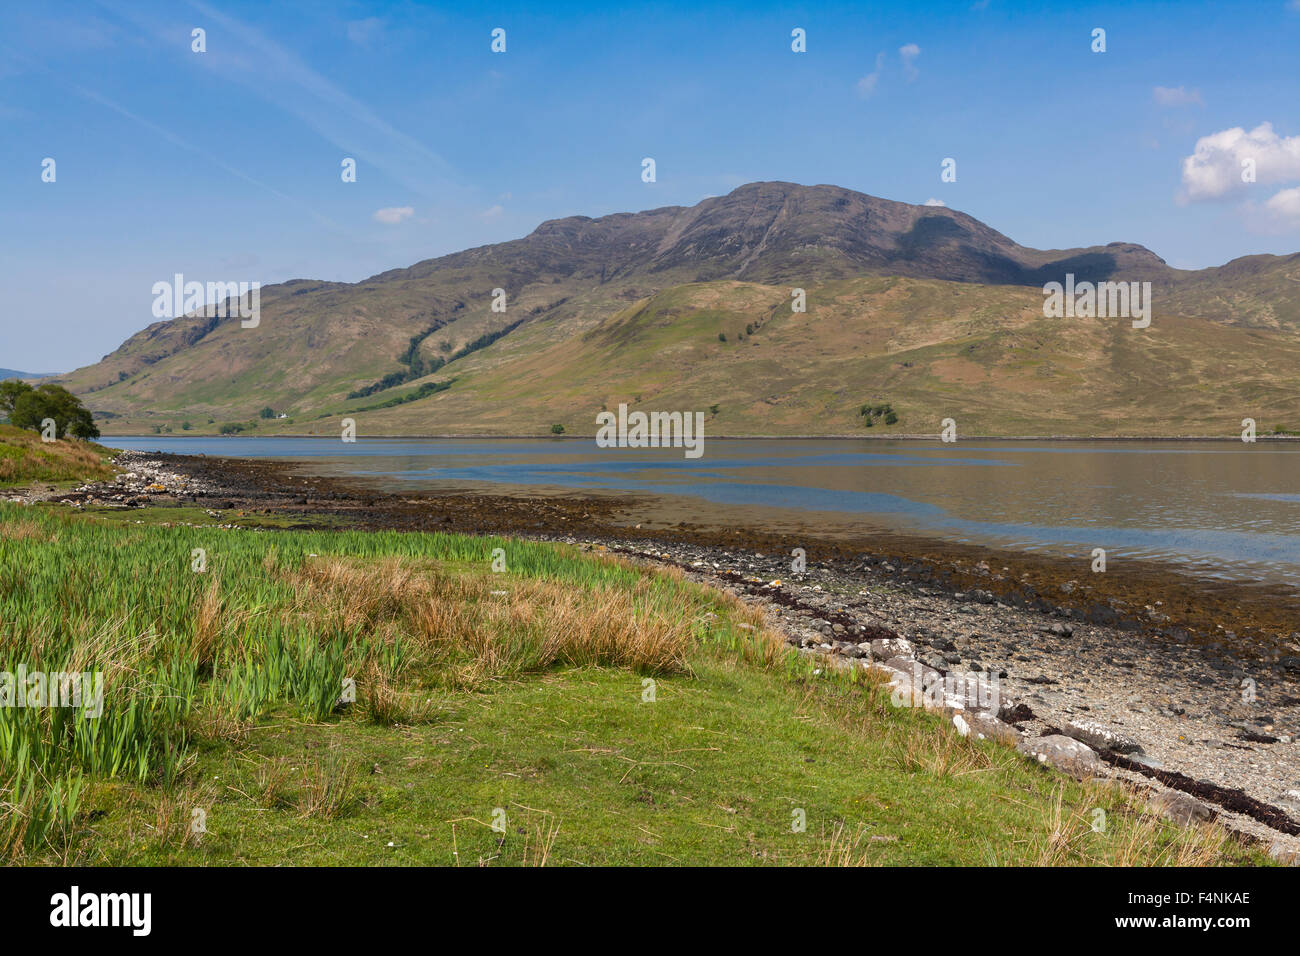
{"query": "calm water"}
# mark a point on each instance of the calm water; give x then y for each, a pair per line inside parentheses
(1230, 509)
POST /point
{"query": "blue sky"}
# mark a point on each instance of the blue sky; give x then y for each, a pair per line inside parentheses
(225, 165)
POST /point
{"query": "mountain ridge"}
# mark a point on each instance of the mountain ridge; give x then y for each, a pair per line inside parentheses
(321, 343)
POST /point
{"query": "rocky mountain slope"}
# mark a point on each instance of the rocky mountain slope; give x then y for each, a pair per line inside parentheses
(921, 307)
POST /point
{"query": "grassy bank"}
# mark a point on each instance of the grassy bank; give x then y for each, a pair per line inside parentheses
(24, 458)
(595, 712)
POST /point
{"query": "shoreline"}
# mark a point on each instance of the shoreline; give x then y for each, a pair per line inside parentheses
(1168, 675)
(926, 437)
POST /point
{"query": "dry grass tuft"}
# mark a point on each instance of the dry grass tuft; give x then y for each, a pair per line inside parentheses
(941, 751)
(489, 627)
(539, 842)
(207, 627)
(326, 790)
(175, 822)
(329, 789)
(1133, 835)
(22, 529)
(841, 849)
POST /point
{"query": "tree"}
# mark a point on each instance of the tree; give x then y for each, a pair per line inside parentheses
(267, 412)
(10, 391)
(557, 429)
(31, 406)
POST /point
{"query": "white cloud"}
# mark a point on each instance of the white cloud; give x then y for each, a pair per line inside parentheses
(908, 54)
(1214, 169)
(867, 85)
(1284, 207)
(393, 215)
(1177, 96)
(934, 202)
(494, 212)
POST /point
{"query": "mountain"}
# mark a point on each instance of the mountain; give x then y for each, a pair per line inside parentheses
(7, 373)
(921, 307)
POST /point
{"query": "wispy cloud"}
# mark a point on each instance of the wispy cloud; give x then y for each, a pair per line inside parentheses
(393, 214)
(278, 75)
(1176, 96)
(908, 54)
(208, 154)
(365, 33)
(867, 85)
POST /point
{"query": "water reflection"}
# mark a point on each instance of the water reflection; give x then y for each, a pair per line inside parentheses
(1230, 508)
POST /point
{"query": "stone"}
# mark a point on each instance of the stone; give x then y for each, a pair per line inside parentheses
(984, 726)
(971, 691)
(1181, 808)
(1100, 737)
(908, 680)
(1290, 801)
(882, 649)
(1064, 753)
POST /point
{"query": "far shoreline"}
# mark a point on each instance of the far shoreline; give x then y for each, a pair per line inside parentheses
(592, 437)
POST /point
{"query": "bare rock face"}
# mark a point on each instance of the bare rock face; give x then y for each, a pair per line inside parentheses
(1100, 737)
(1181, 808)
(1064, 753)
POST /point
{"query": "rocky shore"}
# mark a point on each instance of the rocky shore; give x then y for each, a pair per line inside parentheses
(1090, 699)
(1203, 714)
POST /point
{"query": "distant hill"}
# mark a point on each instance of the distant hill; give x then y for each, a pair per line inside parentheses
(921, 307)
(6, 373)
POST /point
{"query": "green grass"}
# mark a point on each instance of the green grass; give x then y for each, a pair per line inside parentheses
(24, 458)
(472, 703)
